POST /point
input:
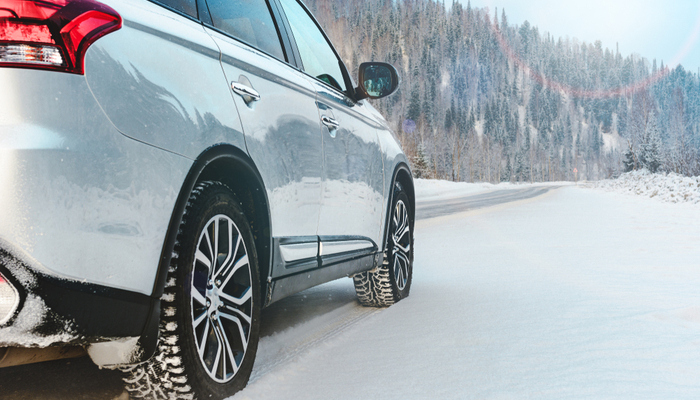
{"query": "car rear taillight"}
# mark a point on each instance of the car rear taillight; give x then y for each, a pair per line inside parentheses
(52, 34)
(9, 300)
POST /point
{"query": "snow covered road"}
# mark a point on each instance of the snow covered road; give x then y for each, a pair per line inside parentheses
(448, 206)
(575, 294)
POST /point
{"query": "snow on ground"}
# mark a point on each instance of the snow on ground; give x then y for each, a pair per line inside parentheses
(434, 189)
(670, 187)
(578, 294)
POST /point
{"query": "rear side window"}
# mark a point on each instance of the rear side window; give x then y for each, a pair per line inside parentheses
(188, 7)
(249, 21)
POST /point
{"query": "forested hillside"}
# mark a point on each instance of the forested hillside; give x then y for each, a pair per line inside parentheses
(486, 100)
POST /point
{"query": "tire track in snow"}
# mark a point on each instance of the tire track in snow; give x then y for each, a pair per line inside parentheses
(281, 348)
(439, 208)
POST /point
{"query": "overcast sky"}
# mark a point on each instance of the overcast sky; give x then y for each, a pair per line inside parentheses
(667, 30)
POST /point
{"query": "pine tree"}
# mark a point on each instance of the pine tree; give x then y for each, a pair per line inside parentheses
(508, 172)
(421, 164)
(527, 138)
(521, 167)
(630, 160)
(414, 105)
(650, 151)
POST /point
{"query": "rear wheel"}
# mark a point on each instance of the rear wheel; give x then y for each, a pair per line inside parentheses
(391, 281)
(210, 309)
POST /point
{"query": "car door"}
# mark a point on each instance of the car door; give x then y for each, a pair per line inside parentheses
(277, 108)
(352, 190)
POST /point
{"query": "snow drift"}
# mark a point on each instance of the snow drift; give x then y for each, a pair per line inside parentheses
(669, 187)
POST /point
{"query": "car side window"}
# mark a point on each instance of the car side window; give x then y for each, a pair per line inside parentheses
(317, 55)
(188, 7)
(249, 21)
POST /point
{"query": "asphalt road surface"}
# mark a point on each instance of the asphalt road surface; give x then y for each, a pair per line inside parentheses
(80, 379)
(439, 208)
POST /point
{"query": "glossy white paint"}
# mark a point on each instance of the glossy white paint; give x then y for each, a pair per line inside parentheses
(282, 132)
(159, 80)
(81, 199)
(353, 176)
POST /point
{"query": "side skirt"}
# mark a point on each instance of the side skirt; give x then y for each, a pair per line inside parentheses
(305, 262)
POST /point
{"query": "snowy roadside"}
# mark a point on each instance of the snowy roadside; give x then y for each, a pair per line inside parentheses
(670, 187)
(430, 189)
(580, 294)
(434, 189)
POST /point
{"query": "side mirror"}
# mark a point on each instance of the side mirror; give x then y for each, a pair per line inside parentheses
(377, 80)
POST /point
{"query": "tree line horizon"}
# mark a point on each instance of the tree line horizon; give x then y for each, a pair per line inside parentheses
(482, 100)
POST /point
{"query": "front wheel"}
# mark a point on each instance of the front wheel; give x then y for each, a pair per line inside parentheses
(211, 306)
(391, 281)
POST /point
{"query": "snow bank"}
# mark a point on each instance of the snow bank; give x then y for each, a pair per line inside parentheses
(670, 187)
(433, 189)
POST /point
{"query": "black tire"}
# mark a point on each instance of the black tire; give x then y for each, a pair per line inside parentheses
(391, 281)
(207, 342)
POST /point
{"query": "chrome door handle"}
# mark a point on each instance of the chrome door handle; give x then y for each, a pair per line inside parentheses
(249, 94)
(330, 123)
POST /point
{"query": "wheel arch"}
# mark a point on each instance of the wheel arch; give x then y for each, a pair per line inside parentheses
(234, 168)
(402, 175)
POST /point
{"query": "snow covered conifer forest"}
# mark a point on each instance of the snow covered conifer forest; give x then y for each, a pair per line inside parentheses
(482, 99)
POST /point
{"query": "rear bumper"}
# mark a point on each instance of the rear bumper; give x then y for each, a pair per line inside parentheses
(54, 311)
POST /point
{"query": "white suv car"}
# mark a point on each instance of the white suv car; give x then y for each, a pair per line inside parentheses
(168, 168)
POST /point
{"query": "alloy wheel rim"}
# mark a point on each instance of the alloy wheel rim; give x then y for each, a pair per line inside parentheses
(401, 238)
(221, 299)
